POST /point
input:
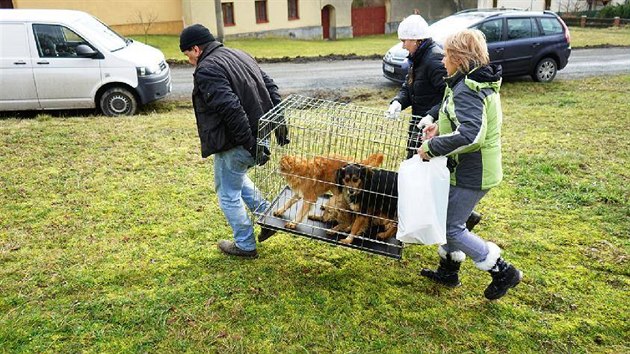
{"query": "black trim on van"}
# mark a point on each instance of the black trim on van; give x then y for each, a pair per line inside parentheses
(154, 87)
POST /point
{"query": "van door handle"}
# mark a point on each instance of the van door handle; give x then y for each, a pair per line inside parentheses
(19, 62)
(43, 62)
(535, 45)
(499, 50)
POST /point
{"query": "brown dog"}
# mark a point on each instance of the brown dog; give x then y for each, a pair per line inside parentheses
(336, 210)
(310, 178)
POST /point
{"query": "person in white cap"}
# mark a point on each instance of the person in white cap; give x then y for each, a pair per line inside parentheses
(424, 86)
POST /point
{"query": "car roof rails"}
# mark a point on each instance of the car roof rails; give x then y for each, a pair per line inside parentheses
(491, 9)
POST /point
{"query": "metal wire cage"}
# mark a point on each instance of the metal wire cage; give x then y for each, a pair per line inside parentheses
(325, 136)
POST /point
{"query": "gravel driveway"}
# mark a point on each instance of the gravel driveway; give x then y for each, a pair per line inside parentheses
(316, 76)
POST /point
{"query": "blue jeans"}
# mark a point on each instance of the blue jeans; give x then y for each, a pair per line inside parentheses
(233, 187)
(461, 202)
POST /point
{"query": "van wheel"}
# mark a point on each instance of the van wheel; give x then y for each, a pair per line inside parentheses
(545, 71)
(118, 101)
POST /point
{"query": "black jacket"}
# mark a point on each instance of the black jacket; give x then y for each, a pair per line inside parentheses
(427, 87)
(230, 95)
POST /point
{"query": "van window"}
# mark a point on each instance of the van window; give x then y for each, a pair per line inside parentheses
(492, 29)
(550, 26)
(522, 28)
(13, 40)
(56, 41)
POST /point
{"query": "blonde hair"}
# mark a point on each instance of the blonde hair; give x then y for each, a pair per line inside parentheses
(467, 48)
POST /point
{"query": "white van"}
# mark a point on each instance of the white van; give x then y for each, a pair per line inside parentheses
(63, 59)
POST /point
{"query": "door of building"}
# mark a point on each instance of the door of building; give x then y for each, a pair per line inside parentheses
(368, 20)
(326, 22)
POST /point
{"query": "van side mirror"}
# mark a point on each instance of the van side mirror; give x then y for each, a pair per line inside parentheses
(85, 51)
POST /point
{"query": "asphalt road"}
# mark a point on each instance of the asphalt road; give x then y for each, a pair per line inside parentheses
(316, 76)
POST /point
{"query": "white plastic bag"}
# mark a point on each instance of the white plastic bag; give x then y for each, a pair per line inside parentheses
(423, 200)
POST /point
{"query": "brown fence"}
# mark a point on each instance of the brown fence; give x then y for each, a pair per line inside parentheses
(584, 21)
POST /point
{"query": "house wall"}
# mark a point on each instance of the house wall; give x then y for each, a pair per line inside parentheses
(199, 11)
(343, 17)
(307, 26)
(170, 16)
(430, 10)
(277, 15)
(123, 16)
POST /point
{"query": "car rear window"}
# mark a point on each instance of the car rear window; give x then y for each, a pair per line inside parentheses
(550, 26)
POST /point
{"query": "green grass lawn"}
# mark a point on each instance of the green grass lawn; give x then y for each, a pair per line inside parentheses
(364, 46)
(284, 47)
(108, 230)
(588, 37)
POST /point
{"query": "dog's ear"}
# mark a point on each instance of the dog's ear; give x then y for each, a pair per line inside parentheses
(339, 178)
(374, 160)
(365, 173)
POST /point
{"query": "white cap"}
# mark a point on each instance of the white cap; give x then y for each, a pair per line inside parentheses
(413, 27)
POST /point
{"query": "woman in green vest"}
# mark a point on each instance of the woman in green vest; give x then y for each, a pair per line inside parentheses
(468, 132)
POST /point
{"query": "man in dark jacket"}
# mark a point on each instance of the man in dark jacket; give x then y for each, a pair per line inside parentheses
(230, 95)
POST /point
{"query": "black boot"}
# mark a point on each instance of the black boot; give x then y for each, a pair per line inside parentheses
(473, 220)
(265, 233)
(504, 276)
(446, 274)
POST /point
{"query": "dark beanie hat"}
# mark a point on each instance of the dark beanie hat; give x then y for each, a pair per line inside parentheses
(194, 35)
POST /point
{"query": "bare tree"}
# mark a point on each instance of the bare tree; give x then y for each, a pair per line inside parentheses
(570, 6)
(146, 20)
(460, 5)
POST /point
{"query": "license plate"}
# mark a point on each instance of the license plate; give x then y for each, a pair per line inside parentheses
(388, 68)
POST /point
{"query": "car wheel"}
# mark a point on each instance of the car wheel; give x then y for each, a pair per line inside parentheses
(118, 101)
(545, 71)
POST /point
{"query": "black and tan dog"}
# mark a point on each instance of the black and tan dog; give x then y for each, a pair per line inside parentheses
(373, 195)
